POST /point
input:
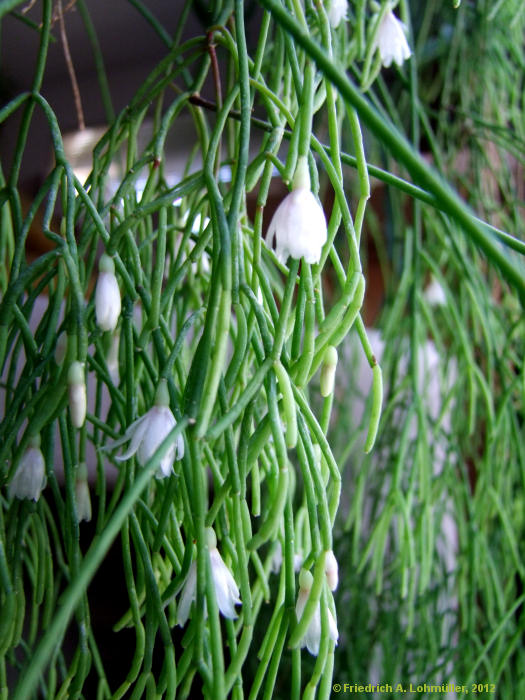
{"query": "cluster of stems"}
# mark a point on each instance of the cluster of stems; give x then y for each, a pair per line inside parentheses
(243, 346)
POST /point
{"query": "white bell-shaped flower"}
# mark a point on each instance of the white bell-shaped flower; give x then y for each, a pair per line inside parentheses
(336, 12)
(391, 40)
(226, 590)
(435, 294)
(82, 495)
(30, 477)
(148, 432)
(299, 224)
(77, 394)
(312, 637)
(107, 295)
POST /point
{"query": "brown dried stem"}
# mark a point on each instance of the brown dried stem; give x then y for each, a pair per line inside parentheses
(70, 67)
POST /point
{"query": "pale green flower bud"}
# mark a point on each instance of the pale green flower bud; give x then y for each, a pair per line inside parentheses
(328, 371)
(305, 580)
(77, 394)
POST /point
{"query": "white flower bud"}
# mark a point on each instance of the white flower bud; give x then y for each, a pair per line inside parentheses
(107, 295)
(82, 495)
(277, 558)
(331, 570)
(337, 11)
(328, 371)
(391, 40)
(299, 224)
(77, 394)
(30, 476)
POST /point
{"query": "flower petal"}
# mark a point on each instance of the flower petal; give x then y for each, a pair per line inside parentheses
(187, 596)
(166, 463)
(331, 570)
(226, 589)
(337, 11)
(301, 602)
(332, 627)
(310, 231)
(312, 637)
(180, 447)
(121, 440)
(136, 432)
(277, 558)
(278, 229)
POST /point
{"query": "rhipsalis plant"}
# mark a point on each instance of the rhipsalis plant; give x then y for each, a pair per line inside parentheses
(189, 387)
